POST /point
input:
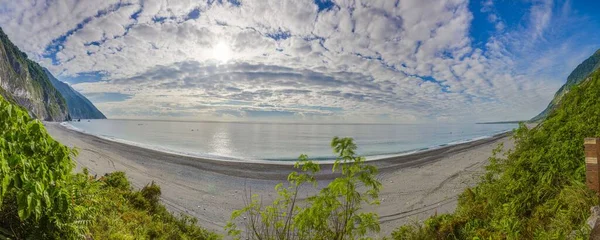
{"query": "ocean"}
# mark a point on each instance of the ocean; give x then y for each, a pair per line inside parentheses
(283, 141)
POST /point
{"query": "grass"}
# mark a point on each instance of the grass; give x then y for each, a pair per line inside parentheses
(535, 191)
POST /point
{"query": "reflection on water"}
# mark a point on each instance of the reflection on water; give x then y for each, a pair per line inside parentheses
(269, 141)
(221, 141)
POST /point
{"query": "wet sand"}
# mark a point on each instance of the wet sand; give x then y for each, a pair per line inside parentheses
(414, 186)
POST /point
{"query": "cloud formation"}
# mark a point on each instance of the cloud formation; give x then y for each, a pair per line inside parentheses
(355, 61)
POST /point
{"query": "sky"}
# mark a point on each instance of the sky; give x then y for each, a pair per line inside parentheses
(387, 61)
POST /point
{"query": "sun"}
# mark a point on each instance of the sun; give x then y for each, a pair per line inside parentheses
(222, 52)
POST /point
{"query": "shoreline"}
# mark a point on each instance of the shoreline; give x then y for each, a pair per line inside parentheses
(415, 186)
(291, 162)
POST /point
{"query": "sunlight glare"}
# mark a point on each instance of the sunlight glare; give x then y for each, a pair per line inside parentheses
(222, 52)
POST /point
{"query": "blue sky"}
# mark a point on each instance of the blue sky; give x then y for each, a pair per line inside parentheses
(310, 60)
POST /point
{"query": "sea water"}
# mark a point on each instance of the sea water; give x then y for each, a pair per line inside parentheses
(283, 141)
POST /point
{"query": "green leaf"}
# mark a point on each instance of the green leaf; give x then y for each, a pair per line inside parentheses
(22, 209)
(29, 201)
(47, 200)
(38, 208)
(5, 184)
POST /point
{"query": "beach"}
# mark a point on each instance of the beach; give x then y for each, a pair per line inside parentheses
(415, 186)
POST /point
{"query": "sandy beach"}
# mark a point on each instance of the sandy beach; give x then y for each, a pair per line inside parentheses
(414, 186)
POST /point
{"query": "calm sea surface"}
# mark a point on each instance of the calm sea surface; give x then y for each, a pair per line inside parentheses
(276, 141)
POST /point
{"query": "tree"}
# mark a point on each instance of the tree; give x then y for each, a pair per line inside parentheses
(333, 213)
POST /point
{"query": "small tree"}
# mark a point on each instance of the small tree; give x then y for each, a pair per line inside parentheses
(331, 214)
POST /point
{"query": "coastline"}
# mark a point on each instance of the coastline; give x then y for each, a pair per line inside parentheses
(291, 162)
(415, 185)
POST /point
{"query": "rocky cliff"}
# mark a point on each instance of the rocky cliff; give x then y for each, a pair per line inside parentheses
(79, 106)
(24, 82)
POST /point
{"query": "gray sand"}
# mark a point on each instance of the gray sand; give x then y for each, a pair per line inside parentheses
(414, 186)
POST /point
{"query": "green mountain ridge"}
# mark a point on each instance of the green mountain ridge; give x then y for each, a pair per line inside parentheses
(24, 82)
(79, 105)
(578, 75)
(537, 190)
(27, 84)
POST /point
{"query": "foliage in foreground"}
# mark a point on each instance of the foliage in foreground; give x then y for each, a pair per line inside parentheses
(40, 197)
(536, 191)
(333, 213)
(127, 214)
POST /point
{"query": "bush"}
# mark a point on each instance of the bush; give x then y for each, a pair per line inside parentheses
(40, 197)
(535, 191)
(147, 198)
(334, 213)
(117, 180)
(151, 193)
(130, 214)
(138, 201)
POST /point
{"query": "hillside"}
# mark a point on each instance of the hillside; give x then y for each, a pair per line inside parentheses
(24, 82)
(579, 74)
(42, 198)
(537, 191)
(79, 105)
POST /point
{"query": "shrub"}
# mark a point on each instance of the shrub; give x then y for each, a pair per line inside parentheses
(138, 201)
(40, 197)
(535, 191)
(147, 198)
(132, 214)
(117, 180)
(331, 214)
(151, 193)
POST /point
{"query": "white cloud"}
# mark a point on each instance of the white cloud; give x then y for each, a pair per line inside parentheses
(411, 60)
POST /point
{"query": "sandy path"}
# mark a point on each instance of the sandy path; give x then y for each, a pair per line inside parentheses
(414, 186)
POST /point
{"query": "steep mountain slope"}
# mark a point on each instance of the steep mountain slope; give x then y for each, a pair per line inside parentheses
(577, 76)
(79, 105)
(24, 82)
(536, 191)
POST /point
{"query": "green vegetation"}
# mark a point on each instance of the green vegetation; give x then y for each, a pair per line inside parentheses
(577, 76)
(333, 213)
(534, 191)
(79, 105)
(39, 194)
(127, 214)
(44, 101)
(42, 199)
(583, 70)
(537, 190)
